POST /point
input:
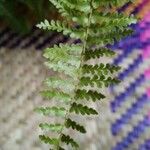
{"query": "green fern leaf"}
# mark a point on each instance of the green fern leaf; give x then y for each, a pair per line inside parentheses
(61, 8)
(60, 27)
(113, 18)
(100, 69)
(71, 49)
(58, 95)
(61, 67)
(99, 81)
(47, 140)
(94, 27)
(60, 55)
(89, 95)
(84, 110)
(54, 25)
(109, 38)
(69, 9)
(69, 123)
(68, 140)
(77, 5)
(51, 127)
(55, 111)
(66, 85)
(108, 3)
(97, 53)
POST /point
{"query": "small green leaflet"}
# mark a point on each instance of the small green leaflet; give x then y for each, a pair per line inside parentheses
(68, 140)
(51, 127)
(74, 125)
(56, 94)
(84, 110)
(56, 111)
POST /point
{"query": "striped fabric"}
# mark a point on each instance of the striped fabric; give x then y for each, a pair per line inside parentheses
(131, 102)
(129, 119)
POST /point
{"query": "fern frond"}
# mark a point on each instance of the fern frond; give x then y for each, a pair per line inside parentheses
(98, 81)
(79, 5)
(51, 127)
(61, 67)
(72, 49)
(70, 9)
(66, 85)
(54, 25)
(84, 110)
(61, 8)
(89, 95)
(112, 18)
(60, 55)
(108, 3)
(109, 38)
(100, 69)
(54, 111)
(55, 94)
(47, 140)
(74, 125)
(97, 53)
(60, 27)
(76, 80)
(68, 140)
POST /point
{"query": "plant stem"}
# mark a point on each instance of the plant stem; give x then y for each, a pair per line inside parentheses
(81, 64)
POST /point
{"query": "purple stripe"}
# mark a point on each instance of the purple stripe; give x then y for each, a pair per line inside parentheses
(119, 99)
(20, 39)
(133, 135)
(124, 119)
(33, 40)
(124, 7)
(131, 67)
(4, 31)
(8, 40)
(139, 7)
(145, 145)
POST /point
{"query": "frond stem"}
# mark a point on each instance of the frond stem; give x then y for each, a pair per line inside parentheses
(81, 64)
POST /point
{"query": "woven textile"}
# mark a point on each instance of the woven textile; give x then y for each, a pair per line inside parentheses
(130, 105)
(22, 73)
(124, 117)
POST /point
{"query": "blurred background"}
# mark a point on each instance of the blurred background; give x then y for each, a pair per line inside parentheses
(124, 121)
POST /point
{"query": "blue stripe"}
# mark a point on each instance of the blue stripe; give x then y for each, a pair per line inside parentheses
(118, 124)
(133, 135)
(116, 103)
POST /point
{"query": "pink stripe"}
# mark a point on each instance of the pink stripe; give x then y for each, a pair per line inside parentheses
(148, 92)
(146, 52)
(145, 35)
(147, 73)
(145, 20)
